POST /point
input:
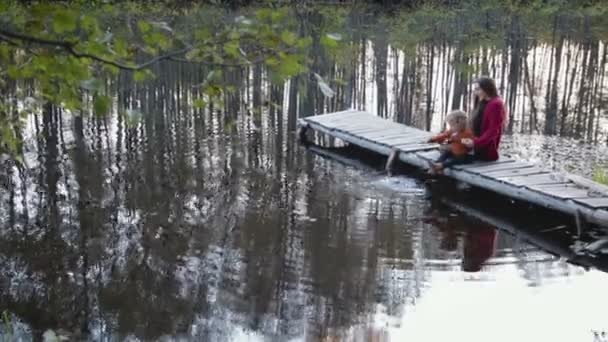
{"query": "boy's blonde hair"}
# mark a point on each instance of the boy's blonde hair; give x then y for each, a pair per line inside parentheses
(457, 116)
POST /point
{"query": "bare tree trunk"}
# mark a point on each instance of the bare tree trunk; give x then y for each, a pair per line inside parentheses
(602, 74)
(363, 74)
(579, 124)
(395, 89)
(514, 68)
(531, 95)
(565, 129)
(460, 79)
(429, 87)
(551, 112)
(381, 55)
(592, 93)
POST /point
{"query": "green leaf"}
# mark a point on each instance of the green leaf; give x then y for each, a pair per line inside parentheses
(202, 34)
(289, 66)
(329, 42)
(101, 105)
(5, 53)
(64, 21)
(13, 71)
(144, 26)
(139, 75)
(89, 23)
(199, 103)
(157, 39)
(107, 37)
(288, 37)
(120, 47)
(232, 49)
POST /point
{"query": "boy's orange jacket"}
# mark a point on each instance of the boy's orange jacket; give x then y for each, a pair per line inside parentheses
(454, 139)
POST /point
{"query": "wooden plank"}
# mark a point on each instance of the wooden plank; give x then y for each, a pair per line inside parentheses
(401, 142)
(588, 183)
(329, 125)
(516, 172)
(358, 125)
(404, 129)
(335, 116)
(380, 149)
(429, 155)
(380, 139)
(394, 132)
(404, 139)
(364, 129)
(356, 130)
(356, 119)
(594, 202)
(366, 136)
(560, 191)
(343, 122)
(483, 163)
(336, 122)
(482, 169)
(542, 179)
(417, 147)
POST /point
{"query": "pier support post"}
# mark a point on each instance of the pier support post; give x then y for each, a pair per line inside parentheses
(580, 221)
(302, 133)
(391, 160)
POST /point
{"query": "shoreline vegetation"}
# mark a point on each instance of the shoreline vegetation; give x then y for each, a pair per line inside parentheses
(549, 58)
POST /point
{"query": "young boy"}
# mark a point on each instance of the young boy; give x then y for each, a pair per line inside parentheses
(453, 150)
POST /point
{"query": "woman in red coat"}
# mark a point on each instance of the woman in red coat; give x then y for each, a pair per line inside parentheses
(488, 121)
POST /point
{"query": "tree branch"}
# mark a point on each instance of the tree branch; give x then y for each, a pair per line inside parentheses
(70, 47)
(215, 64)
(37, 40)
(119, 65)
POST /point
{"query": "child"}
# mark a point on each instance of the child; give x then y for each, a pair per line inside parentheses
(454, 151)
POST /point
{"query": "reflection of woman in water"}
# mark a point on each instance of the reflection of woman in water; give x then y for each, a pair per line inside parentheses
(479, 240)
(479, 246)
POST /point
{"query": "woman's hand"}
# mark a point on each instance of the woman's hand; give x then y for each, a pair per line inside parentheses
(467, 142)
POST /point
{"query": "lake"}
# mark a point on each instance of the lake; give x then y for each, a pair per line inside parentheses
(214, 224)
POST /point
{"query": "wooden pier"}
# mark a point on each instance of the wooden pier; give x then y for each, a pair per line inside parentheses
(586, 200)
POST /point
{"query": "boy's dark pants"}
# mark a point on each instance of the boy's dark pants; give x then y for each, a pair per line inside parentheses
(448, 159)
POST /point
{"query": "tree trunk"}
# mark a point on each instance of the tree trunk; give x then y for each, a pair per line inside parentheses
(551, 112)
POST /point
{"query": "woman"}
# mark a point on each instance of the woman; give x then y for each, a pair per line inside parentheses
(488, 120)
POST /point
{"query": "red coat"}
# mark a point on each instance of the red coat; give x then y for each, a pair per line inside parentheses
(494, 116)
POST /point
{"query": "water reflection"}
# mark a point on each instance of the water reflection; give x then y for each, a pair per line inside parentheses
(479, 246)
(217, 240)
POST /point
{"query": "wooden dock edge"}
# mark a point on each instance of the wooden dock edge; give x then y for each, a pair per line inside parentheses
(597, 216)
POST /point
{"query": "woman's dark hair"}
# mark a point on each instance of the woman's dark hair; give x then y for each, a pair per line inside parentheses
(488, 86)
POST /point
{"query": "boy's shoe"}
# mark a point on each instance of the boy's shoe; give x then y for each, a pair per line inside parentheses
(438, 168)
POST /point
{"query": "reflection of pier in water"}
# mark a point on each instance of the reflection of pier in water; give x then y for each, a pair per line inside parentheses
(533, 230)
